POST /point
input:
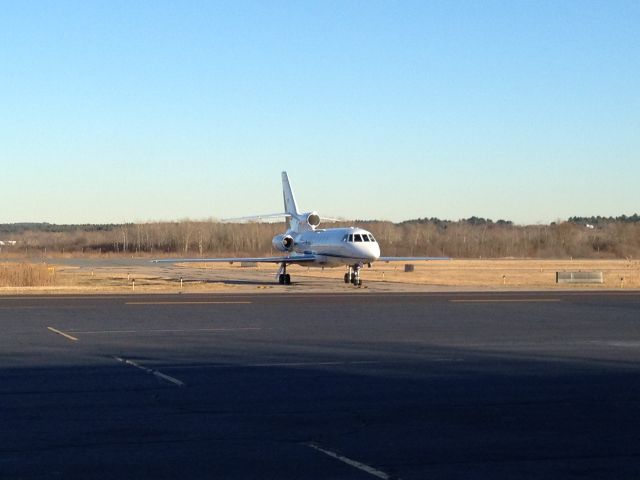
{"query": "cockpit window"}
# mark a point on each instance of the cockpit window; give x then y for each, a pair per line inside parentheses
(359, 237)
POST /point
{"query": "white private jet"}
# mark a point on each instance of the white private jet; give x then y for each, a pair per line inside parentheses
(306, 244)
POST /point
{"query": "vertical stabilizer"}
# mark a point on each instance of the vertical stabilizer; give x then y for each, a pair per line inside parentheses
(290, 206)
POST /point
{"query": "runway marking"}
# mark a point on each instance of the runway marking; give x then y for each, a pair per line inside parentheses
(177, 330)
(191, 303)
(617, 343)
(507, 300)
(151, 371)
(308, 364)
(26, 307)
(66, 335)
(354, 463)
(275, 364)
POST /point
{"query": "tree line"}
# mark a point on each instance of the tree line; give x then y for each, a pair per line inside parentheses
(635, 218)
(470, 238)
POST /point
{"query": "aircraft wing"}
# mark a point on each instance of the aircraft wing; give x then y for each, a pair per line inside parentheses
(410, 259)
(267, 217)
(290, 259)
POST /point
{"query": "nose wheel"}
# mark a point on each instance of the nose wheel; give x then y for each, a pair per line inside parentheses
(353, 276)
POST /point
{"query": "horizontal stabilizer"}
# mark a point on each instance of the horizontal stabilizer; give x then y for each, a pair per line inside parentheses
(269, 217)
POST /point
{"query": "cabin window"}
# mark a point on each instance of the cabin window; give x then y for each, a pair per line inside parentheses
(345, 238)
(357, 237)
(371, 238)
(350, 238)
(365, 237)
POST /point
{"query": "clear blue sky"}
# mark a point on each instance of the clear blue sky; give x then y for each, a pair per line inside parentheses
(155, 110)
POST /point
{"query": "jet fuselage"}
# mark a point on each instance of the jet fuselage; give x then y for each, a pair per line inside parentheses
(336, 246)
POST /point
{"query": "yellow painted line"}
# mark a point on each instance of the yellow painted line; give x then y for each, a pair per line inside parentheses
(188, 303)
(66, 335)
(508, 300)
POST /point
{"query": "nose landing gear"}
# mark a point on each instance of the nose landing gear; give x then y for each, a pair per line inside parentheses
(353, 276)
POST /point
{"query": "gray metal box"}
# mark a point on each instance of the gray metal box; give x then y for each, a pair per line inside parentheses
(579, 277)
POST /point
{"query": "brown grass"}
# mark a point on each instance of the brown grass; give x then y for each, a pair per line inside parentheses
(504, 273)
(19, 278)
(481, 274)
(26, 275)
(520, 273)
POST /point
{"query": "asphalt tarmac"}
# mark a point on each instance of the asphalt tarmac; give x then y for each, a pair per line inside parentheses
(360, 385)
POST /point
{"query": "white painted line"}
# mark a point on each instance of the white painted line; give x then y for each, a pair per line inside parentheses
(308, 364)
(275, 364)
(66, 335)
(507, 300)
(359, 465)
(96, 332)
(616, 343)
(155, 373)
(27, 307)
(168, 378)
(190, 303)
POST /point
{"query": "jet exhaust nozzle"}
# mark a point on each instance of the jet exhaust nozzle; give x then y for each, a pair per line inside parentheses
(283, 243)
(313, 219)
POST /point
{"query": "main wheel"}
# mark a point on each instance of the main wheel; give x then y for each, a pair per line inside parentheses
(281, 279)
(287, 279)
(346, 278)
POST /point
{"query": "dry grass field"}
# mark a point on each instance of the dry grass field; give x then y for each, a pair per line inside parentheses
(26, 275)
(499, 273)
(490, 274)
(478, 274)
(26, 278)
(515, 273)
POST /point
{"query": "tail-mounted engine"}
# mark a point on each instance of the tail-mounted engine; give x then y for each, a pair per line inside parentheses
(313, 220)
(283, 243)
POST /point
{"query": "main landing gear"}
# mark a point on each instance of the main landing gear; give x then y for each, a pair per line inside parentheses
(353, 276)
(283, 277)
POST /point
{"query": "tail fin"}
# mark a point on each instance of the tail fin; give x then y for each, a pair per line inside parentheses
(290, 206)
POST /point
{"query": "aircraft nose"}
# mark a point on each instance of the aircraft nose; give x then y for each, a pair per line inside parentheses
(370, 251)
(374, 248)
